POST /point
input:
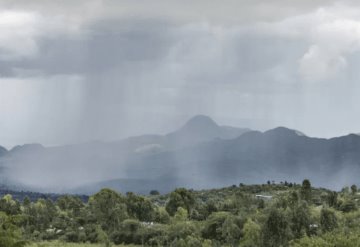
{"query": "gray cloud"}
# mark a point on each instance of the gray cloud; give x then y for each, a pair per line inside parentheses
(122, 68)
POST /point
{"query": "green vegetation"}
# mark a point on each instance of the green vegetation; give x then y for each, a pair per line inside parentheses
(64, 244)
(268, 215)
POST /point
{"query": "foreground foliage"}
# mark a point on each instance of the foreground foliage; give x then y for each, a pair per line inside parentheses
(269, 215)
(64, 244)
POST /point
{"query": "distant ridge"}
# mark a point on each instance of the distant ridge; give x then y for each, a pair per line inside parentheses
(283, 131)
(196, 130)
(200, 154)
(27, 148)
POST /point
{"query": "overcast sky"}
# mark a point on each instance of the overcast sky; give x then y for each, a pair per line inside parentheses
(74, 71)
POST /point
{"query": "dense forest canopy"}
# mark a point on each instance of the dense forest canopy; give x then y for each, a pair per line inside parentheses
(283, 214)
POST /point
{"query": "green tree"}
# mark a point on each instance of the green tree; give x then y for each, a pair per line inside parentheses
(181, 230)
(353, 189)
(10, 234)
(328, 219)
(305, 191)
(26, 202)
(332, 199)
(300, 220)
(139, 207)
(41, 214)
(230, 232)
(180, 198)
(154, 192)
(252, 234)
(348, 205)
(223, 227)
(71, 204)
(127, 233)
(109, 208)
(276, 230)
(162, 216)
(9, 206)
(329, 240)
(181, 214)
(293, 199)
(102, 237)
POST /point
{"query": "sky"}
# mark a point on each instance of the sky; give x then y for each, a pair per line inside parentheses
(73, 72)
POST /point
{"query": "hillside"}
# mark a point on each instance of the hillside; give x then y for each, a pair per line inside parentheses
(199, 155)
(254, 157)
(67, 168)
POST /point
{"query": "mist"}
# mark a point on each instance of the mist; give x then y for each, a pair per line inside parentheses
(80, 78)
(200, 154)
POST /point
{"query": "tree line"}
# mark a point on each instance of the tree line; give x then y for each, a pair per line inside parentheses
(268, 215)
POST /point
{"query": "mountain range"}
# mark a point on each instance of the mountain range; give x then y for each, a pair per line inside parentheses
(201, 154)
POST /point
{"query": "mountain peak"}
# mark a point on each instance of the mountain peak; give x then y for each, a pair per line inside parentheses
(283, 131)
(200, 129)
(199, 122)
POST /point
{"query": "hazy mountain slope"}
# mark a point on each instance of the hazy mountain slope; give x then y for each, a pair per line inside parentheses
(64, 167)
(257, 157)
(3, 151)
(201, 154)
(197, 130)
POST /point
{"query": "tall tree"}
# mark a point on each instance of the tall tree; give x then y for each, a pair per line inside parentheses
(109, 208)
(139, 207)
(276, 230)
(252, 233)
(328, 219)
(353, 189)
(180, 198)
(305, 191)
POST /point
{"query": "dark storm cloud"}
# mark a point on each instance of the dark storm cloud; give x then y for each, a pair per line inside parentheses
(109, 69)
(108, 45)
